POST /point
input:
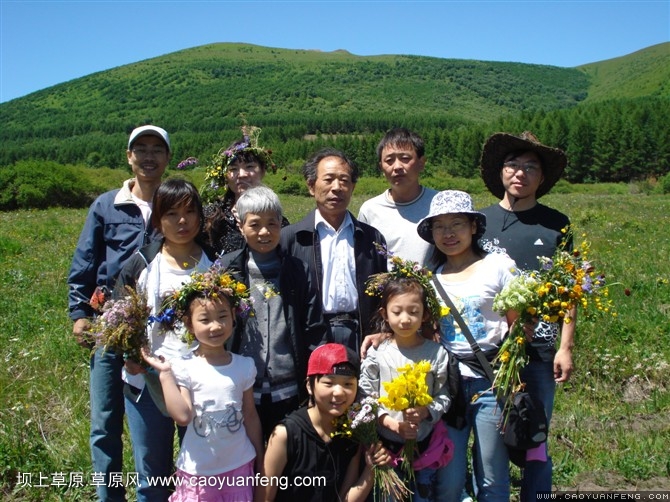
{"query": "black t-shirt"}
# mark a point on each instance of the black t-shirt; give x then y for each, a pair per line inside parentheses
(525, 235)
(308, 456)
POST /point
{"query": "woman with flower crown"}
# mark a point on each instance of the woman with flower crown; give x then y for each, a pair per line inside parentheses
(234, 169)
(210, 391)
(156, 270)
(471, 277)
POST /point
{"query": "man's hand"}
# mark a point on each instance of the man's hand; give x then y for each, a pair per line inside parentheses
(372, 341)
(563, 366)
(81, 332)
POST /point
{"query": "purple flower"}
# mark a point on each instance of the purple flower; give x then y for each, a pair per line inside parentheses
(191, 161)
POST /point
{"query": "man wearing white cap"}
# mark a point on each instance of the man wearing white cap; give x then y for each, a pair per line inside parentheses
(117, 224)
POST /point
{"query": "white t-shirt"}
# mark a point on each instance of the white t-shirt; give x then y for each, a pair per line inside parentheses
(159, 280)
(474, 300)
(397, 222)
(216, 440)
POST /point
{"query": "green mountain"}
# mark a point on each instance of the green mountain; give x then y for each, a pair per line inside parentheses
(201, 94)
(642, 73)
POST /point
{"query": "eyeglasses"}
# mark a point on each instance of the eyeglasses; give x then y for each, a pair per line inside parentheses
(143, 152)
(454, 228)
(528, 169)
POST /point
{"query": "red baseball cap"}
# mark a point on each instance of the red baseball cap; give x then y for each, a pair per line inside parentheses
(333, 359)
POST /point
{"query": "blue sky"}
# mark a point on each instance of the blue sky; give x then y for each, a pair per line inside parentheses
(43, 43)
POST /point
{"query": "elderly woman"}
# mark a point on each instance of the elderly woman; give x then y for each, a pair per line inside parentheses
(235, 169)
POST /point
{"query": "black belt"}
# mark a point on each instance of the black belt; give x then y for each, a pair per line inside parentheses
(341, 316)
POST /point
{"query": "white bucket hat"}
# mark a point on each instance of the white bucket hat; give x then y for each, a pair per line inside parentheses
(449, 202)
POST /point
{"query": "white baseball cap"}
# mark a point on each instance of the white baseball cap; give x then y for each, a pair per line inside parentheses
(149, 130)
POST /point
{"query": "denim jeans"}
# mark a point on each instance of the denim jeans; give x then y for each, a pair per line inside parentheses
(539, 378)
(489, 455)
(106, 393)
(424, 486)
(152, 436)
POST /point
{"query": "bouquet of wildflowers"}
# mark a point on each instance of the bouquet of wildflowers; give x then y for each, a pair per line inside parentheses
(564, 282)
(122, 326)
(408, 390)
(360, 424)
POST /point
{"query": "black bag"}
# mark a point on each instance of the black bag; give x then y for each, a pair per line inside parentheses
(455, 415)
(526, 426)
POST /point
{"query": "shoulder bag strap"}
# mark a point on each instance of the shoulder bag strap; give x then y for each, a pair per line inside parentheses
(476, 349)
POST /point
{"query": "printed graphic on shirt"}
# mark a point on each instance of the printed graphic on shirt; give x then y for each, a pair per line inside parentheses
(539, 242)
(469, 309)
(546, 332)
(206, 422)
(492, 246)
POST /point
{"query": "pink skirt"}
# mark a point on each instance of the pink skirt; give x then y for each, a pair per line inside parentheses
(226, 487)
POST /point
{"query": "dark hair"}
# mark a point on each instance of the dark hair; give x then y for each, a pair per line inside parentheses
(439, 257)
(206, 296)
(247, 156)
(400, 136)
(310, 167)
(171, 193)
(518, 153)
(400, 286)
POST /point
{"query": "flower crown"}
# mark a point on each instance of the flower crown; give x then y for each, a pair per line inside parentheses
(215, 176)
(405, 269)
(213, 284)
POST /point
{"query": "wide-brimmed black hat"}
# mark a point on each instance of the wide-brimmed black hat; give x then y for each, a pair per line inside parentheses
(501, 144)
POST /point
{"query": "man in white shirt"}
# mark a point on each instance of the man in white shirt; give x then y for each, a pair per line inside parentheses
(397, 211)
(338, 249)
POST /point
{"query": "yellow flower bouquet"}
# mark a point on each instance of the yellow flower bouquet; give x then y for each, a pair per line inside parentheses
(564, 282)
(408, 390)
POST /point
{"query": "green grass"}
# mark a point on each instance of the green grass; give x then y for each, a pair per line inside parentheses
(611, 423)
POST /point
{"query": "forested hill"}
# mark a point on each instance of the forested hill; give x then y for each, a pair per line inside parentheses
(200, 94)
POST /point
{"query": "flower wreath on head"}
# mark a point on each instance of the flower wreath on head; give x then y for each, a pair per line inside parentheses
(212, 284)
(405, 269)
(215, 176)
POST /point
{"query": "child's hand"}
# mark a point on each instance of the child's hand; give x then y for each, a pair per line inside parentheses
(407, 430)
(156, 362)
(415, 415)
(376, 454)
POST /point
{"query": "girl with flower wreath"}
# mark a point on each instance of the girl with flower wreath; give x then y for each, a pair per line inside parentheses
(472, 278)
(156, 270)
(210, 391)
(408, 310)
(233, 170)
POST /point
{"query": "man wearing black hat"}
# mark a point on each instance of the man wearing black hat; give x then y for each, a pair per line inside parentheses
(519, 170)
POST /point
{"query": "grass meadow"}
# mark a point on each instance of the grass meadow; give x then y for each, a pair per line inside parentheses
(611, 426)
